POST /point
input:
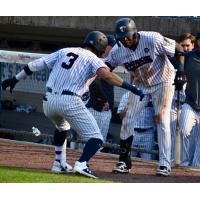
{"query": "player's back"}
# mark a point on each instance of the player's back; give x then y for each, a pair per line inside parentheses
(71, 68)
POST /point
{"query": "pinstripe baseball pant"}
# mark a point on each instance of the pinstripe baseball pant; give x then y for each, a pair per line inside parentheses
(103, 120)
(173, 117)
(162, 95)
(190, 127)
(143, 140)
(67, 111)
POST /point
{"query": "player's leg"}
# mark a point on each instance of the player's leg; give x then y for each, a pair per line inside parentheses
(135, 143)
(147, 142)
(173, 118)
(60, 164)
(127, 130)
(196, 139)
(194, 147)
(187, 122)
(83, 122)
(162, 98)
(103, 120)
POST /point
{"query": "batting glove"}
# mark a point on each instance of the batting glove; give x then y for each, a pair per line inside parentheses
(180, 80)
(11, 82)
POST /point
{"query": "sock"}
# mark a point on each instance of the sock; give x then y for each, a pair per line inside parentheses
(60, 153)
(125, 152)
(91, 147)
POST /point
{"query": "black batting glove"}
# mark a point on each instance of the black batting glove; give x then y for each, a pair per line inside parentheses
(10, 82)
(180, 80)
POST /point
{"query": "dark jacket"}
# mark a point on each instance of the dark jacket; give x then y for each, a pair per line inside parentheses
(192, 70)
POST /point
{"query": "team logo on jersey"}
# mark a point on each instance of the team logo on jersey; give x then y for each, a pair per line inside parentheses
(146, 50)
(122, 28)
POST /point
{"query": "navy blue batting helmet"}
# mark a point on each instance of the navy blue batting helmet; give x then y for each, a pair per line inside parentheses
(96, 40)
(111, 40)
(125, 27)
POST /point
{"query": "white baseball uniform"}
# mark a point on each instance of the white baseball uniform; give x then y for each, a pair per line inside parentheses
(154, 74)
(72, 69)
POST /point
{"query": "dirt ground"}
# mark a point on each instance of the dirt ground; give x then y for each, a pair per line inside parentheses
(40, 157)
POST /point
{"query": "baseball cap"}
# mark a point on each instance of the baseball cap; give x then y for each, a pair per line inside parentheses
(198, 35)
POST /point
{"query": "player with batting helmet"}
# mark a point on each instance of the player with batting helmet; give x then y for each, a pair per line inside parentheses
(72, 68)
(145, 55)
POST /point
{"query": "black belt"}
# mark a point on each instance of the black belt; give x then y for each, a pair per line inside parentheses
(64, 92)
(142, 129)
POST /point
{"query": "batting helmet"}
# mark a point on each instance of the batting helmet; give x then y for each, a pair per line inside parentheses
(111, 40)
(124, 27)
(97, 41)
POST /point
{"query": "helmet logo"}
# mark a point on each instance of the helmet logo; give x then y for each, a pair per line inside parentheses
(91, 42)
(122, 28)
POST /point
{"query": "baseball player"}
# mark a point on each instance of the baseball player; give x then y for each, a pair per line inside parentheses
(72, 68)
(101, 99)
(145, 55)
(144, 127)
(190, 114)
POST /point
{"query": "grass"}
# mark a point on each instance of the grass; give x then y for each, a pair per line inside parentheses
(17, 175)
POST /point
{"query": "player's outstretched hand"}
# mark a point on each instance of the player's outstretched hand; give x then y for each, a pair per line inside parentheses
(10, 82)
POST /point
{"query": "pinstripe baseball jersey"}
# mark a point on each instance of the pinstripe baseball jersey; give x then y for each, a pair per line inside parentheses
(72, 68)
(149, 62)
(123, 102)
(145, 119)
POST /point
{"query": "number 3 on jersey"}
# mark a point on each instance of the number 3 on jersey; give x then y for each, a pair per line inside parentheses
(71, 61)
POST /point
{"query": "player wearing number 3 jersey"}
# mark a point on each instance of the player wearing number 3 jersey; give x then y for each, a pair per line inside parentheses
(72, 70)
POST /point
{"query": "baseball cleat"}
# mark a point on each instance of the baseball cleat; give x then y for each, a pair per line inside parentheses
(61, 168)
(163, 171)
(83, 169)
(120, 168)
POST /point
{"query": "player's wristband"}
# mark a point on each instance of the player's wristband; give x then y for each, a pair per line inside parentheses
(131, 88)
